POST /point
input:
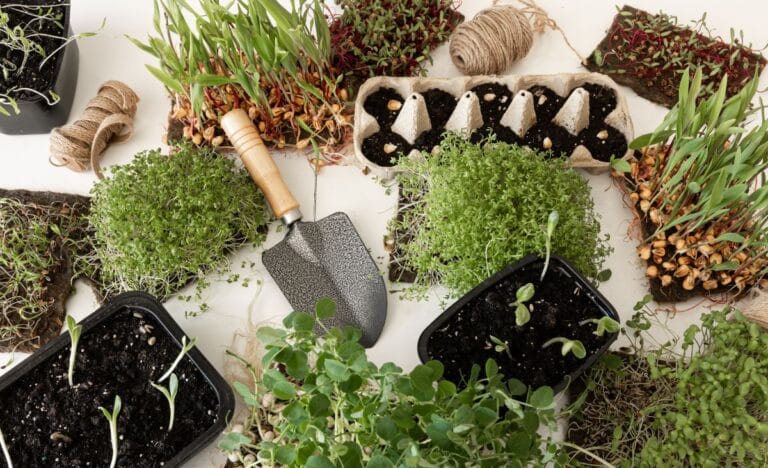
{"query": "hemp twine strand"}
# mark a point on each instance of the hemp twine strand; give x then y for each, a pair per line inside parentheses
(107, 118)
(499, 36)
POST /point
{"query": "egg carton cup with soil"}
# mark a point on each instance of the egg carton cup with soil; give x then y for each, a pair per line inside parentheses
(581, 115)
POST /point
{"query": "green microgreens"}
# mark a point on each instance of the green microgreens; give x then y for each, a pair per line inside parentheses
(74, 336)
(552, 220)
(603, 324)
(112, 418)
(186, 346)
(568, 346)
(170, 395)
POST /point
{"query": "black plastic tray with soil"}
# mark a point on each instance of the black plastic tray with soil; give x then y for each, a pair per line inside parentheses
(383, 147)
(460, 336)
(657, 83)
(58, 75)
(125, 344)
(59, 279)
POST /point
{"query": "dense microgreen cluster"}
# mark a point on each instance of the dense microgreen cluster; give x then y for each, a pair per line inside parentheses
(657, 51)
(273, 62)
(700, 185)
(319, 402)
(472, 209)
(705, 405)
(390, 37)
(36, 242)
(161, 221)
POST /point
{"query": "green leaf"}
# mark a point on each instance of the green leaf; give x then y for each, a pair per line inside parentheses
(319, 461)
(325, 308)
(491, 368)
(542, 398)
(621, 166)
(285, 455)
(167, 80)
(422, 378)
(485, 416)
(268, 336)
(379, 461)
(604, 275)
(336, 370)
(284, 390)
(205, 79)
(525, 293)
(522, 315)
(386, 428)
(516, 387)
(725, 266)
(299, 321)
(730, 237)
(248, 396)
(232, 442)
(319, 406)
(294, 413)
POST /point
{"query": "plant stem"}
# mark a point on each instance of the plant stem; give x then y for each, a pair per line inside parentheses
(6, 454)
(588, 453)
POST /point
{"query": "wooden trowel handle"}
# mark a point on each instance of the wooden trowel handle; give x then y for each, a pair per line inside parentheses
(245, 138)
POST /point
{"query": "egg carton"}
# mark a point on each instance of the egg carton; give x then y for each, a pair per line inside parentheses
(583, 115)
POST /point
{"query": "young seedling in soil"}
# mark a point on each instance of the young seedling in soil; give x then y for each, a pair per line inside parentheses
(170, 395)
(524, 294)
(651, 54)
(568, 346)
(500, 345)
(603, 324)
(186, 346)
(6, 454)
(551, 224)
(112, 418)
(74, 336)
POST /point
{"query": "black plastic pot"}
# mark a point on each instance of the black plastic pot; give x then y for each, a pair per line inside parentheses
(35, 115)
(599, 306)
(147, 306)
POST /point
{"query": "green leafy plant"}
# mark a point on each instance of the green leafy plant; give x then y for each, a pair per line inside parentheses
(162, 221)
(552, 220)
(186, 346)
(523, 294)
(318, 401)
(112, 419)
(390, 38)
(445, 239)
(170, 395)
(603, 324)
(74, 336)
(575, 347)
(700, 184)
(37, 243)
(6, 454)
(273, 62)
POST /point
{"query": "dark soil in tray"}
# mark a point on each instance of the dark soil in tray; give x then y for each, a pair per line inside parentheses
(32, 76)
(559, 304)
(440, 106)
(115, 358)
(375, 148)
(59, 279)
(495, 99)
(376, 105)
(634, 54)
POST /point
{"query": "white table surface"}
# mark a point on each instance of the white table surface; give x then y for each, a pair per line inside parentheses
(24, 164)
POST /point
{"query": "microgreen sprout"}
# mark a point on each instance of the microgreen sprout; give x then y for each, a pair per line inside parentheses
(112, 418)
(604, 324)
(170, 395)
(186, 346)
(522, 313)
(500, 346)
(6, 454)
(74, 336)
(552, 220)
(568, 346)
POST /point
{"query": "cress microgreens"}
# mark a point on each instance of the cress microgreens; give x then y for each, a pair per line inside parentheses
(522, 312)
(186, 346)
(318, 401)
(552, 220)
(575, 347)
(695, 400)
(500, 346)
(657, 51)
(6, 454)
(74, 336)
(170, 395)
(603, 324)
(701, 183)
(162, 221)
(382, 37)
(259, 56)
(35, 242)
(444, 239)
(112, 418)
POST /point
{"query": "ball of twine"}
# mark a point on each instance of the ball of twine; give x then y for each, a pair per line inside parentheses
(497, 37)
(107, 118)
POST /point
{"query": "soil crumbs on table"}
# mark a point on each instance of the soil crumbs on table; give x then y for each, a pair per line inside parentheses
(559, 305)
(48, 424)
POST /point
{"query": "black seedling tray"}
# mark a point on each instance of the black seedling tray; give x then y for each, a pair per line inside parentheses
(146, 306)
(486, 311)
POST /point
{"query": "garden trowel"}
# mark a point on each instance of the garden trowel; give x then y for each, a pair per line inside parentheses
(318, 259)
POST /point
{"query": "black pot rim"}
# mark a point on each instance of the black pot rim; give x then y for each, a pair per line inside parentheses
(148, 305)
(600, 301)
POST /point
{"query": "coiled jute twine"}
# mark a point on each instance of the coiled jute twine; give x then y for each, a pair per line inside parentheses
(108, 118)
(499, 36)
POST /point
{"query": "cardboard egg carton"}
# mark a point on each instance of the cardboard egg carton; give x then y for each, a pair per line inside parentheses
(519, 114)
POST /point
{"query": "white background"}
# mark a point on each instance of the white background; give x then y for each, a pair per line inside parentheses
(24, 164)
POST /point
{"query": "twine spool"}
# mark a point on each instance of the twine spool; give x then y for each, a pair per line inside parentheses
(497, 37)
(107, 118)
